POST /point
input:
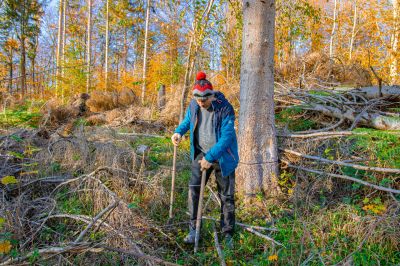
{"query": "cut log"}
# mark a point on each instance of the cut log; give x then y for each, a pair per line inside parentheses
(371, 119)
(373, 92)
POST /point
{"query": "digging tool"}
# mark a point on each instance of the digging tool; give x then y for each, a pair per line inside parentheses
(171, 202)
(199, 210)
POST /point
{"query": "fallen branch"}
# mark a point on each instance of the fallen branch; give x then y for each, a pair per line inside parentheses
(83, 247)
(141, 135)
(395, 191)
(323, 129)
(373, 120)
(319, 134)
(97, 217)
(251, 230)
(218, 247)
(355, 166)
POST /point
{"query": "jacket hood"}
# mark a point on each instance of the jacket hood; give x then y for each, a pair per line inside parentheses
(220, 100)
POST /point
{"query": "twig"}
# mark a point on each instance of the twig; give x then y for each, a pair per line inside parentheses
(346, 178)
(218, 247)
(355, 166)
(251, 230)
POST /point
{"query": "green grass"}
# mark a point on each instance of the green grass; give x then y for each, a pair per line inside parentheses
(289, 117)
(22, 116)
(383, 146)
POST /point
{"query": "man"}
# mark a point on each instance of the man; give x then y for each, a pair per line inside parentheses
(213, 146)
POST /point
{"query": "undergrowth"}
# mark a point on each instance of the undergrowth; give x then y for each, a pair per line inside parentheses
(27, 115)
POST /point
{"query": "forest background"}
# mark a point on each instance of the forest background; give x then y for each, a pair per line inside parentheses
(91, 90)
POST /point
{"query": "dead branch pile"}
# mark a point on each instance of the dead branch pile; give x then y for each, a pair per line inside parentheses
(355, 107)
(107, 176)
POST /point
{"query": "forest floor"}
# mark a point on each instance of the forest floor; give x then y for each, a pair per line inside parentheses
(100, 195)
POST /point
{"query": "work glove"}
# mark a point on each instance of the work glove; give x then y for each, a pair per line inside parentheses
(176, 138)
(204, 164)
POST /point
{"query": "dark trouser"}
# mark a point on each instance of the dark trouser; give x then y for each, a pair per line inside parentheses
(226, 193)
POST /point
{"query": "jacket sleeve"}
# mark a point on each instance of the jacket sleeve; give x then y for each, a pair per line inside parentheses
(227, 136)
(184, 126)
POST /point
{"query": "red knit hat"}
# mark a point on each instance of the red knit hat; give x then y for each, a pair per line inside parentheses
(202, 88)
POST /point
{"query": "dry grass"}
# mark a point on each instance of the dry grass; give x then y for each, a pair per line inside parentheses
(101, 101)
(318, 69)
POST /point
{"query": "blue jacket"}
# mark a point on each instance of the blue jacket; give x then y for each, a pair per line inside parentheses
(225, 151)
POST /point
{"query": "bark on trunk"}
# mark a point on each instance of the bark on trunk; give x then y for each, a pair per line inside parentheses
(258, 167)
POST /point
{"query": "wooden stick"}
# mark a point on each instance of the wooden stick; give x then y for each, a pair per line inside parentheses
(251, 230)
(355, 166)
(171, 202)
(218, 247)
(395, 191)
(199, 210)
(245, 225)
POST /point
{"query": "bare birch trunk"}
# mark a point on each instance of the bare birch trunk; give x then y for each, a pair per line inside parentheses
(145, 51)
(395, 43)
(353, 30)
(59, 38)
(192, 54)
(63, 50)
(88, 48)
(107, 44)
(258, 167)
(333, 30)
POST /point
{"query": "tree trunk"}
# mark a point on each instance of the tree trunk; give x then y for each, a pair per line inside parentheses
(125, 51)
(107, 44)
(23, 66)
(353, 30)
(333, 30)
(62, 65)
(59, 47)
(192, 54)
(161, 97)
(372, 120)
(395, 43)
(145, 51)
(258, 167)
(10, 83)
(186, 82)
(88, 44)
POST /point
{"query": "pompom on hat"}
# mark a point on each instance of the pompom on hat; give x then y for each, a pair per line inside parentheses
(202, 88)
